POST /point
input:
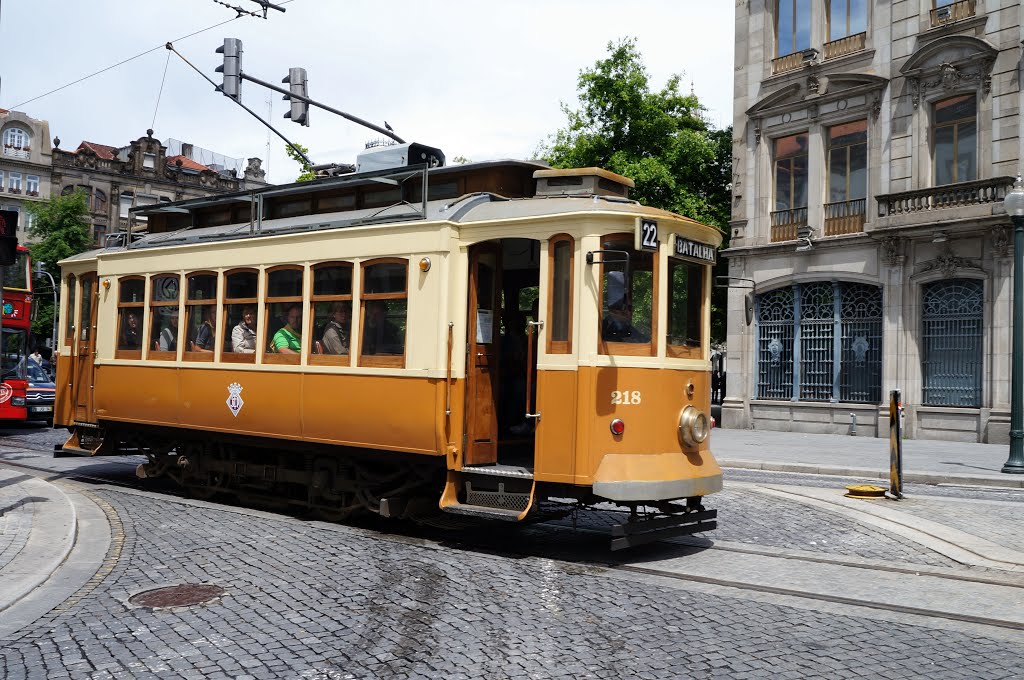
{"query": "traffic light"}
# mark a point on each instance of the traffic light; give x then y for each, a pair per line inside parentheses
(231, 68)
(296, 80)
(8, 237)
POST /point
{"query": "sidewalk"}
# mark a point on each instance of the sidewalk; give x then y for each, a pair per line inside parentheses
(924, 461)
(52, 540)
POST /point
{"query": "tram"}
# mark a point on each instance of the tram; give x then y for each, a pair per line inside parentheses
(496, 340)
(17, 328)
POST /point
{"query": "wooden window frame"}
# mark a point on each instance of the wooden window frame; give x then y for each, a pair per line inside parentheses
(955, 124)
(331, 359)
(685, 351)
(71, 312)
(635, 349)
(156, 354)
(373, 360)
(846, 149)
(560, 346)
(273, 357)
(187, 353)
(239, 357)
(121, 307)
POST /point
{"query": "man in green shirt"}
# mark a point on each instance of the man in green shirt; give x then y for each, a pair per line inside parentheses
(288, 340)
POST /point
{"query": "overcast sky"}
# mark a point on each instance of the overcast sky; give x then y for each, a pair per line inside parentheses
(479, 79)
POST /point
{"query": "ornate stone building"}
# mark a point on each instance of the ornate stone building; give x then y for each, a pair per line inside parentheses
(874, 143)
(115, 179)
(24, 164)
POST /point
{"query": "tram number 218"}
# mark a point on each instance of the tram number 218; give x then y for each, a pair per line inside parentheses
(627, 397)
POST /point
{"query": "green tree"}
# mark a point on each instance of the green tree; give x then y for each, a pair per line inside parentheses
(662, 140)
(61, 230)
(307, 173)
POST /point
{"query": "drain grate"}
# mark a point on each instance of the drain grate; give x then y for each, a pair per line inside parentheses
(184, 595)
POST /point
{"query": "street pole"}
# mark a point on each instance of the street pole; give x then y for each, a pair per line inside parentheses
(53, 332)
(1014, 204)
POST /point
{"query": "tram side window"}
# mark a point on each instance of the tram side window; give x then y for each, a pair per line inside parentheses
(163, 316)
(331, 327)
(384, 313)
(69, 311)
(200, 316)
(560, 310)
(131, 301)
(685, 309)
(628, 297)
(84, 326)
(284, 315)
(240, 291)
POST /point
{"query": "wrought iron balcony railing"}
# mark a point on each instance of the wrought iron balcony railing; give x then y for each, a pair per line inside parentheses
(845, 217)
(956, 11)
(957, 195)
(847, 45)
(785, 223)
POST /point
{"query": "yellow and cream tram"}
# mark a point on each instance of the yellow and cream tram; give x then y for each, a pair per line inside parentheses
(478, 338)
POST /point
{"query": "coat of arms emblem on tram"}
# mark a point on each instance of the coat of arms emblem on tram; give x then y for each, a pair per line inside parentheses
(235, 402)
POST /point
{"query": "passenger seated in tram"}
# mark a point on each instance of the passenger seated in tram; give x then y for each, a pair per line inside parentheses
(380, 336)
(169, 335)
(335, 337)
(130, 337)
(243, 335)
(288, 340)
(204, 334)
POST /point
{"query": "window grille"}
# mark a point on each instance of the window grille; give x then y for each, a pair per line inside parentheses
(952, 332)
(821, 341)
(775, 344)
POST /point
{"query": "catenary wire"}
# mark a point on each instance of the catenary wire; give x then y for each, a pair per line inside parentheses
(125, 61)
(159, 94)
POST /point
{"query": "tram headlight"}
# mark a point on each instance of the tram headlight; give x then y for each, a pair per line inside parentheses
(693, 426)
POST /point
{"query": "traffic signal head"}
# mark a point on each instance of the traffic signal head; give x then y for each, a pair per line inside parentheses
(299, 112)
(8, 237)
(231, 68)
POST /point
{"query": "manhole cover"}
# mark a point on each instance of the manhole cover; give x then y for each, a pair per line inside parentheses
(185, 595)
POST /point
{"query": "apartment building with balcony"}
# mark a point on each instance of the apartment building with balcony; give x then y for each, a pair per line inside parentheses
(874, 143)
(24, 164)
(116, 179)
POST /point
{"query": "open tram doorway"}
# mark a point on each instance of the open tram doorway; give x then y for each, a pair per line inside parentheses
(501, 352)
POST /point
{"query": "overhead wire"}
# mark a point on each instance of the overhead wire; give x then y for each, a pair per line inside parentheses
(159, 94)
(129, 59)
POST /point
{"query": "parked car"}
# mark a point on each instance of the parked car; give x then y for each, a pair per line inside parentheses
(40, 394)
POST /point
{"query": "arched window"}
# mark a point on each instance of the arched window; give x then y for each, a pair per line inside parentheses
(131, 302)
(951, 336)
(16, 138)
(165, 289)
(69, 310)
(200, 316)
(385, 313)
(241, 288)
(99, 201)
(560, 252)
(820, 341)
(331, 325)
(284, 315)
(956, 139)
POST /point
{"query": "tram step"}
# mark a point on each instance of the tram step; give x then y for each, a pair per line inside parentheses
(487, 496)
(483, 511)
(497, 470)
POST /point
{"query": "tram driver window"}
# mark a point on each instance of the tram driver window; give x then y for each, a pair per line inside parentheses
(200, 316)
(284, 315)
(69, 311)
(384, 314)
(163, 316)
(685, 309)
(240, 291)
(131, 300)
(628, 297)
(560, 309)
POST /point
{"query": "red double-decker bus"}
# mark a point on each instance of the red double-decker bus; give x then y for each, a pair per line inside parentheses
(17, 326)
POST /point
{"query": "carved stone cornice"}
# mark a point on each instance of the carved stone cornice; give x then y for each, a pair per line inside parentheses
(950, 63)
(948, 263)
(892, 250)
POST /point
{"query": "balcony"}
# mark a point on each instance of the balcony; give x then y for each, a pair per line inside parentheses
(955, 12)
(845, 217)
(962, 194)
(844, 46)
(790, 62)
(785, 223)
(18, 152)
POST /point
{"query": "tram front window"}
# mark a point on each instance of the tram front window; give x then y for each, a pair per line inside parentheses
(627, 293)
(14, 342)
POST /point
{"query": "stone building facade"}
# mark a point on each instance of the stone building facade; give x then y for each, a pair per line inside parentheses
(116, 179)
(24, 164)
(874, 143)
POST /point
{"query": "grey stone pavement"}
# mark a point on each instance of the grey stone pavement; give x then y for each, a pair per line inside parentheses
(318, 601)
(924, 461)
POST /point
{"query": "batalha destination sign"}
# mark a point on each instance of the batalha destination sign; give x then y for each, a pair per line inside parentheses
(694, 250)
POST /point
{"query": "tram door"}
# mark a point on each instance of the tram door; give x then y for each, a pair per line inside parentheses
(85, 350)
(483, 354)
